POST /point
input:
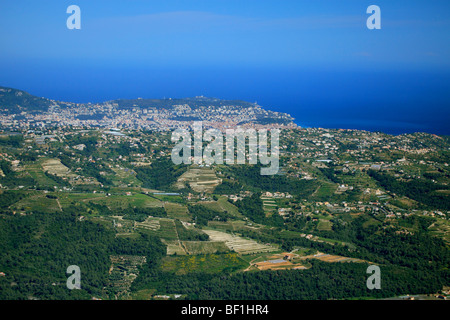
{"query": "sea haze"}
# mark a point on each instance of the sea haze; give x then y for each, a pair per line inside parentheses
(394, 101)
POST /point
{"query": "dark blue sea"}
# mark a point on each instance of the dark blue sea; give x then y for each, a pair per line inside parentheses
(392, 101)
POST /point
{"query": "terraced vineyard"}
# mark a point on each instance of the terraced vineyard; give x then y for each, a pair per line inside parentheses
(177, 211)
(124, 270)
(149, 224)
(199, 179)
(54, 166)
(239, 244)
(204, 247)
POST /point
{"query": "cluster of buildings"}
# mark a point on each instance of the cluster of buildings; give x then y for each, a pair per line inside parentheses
(110, 114)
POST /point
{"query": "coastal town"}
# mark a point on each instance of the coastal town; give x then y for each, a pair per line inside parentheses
(139, 114)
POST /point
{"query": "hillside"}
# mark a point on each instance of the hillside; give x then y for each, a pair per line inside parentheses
(141, 227)
(13, 101)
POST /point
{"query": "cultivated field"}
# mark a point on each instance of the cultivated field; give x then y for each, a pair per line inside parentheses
(209, 263)
(331, 258)
(294, 261)
(324, 225)
(222, 205)
(177, 211)
(213, 205)
(125, 177)
(229, 207)
(441, 228)
(229, 225)
(239, 244)
(204, 247)
(138, 200)
(149, 224)
(123, 271)
(174, 247)
(269, 204)
(199, 179)
(167, 229)
(278, 262)
(37, 201)
(54, 166)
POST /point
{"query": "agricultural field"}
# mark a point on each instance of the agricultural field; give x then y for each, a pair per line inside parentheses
(167, 229)
(204, 247)
(212, 205)
(269, 205)
(168, 198)
(297, 259)
(229, 207)
(199, 179)
(325, 190)
(227, 226)
(145, 294)
(403, 203)
(331, 258)
(67, 199)
(54, 166)
(324, 225)
(370, 222)
(278, 264)
(115, 202)
(174, 247)
(125, 177)
(122, 227)
(36, 171)
(333, 241)
(124, 270)
(441, 228)
(222, 205)
(359, 179)
(149, 224)
(239, 244)
(177, 211)
(37, 201)
(206, 263)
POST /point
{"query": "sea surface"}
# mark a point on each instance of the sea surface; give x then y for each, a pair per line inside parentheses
(393, 101)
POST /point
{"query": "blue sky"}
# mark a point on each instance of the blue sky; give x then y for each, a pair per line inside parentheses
(298, 56)
(278, 33)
